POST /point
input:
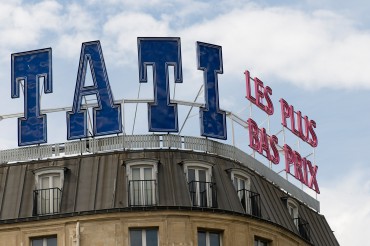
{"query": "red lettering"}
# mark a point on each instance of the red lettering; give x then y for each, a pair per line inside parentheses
(305, 171)
(305, 136)
(261, 142)
(248, 84)
(264, 146)
(293, 120)
(261, 93)
(285, 112)
(313, 182)
(308, 135)
(289, 157)
(302, 167)
(276, 157)
(314, 141)
(254, 141)
(270, 106)
(298, 174)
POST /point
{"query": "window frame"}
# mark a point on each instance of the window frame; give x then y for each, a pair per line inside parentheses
(258, 241)
(241, 175)
(142, 164)
(249, 199)
(199, 165)
(293, 210)
(43, 172)
(44, 239)
(143, 231)
(51, 173)
(207, 233)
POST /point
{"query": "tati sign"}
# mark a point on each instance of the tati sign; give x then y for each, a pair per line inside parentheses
(32, 67)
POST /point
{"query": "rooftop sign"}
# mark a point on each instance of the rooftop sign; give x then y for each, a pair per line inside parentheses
(32, 67)
(266, 145)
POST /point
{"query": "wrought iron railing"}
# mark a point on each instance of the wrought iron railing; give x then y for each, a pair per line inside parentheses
(142, 192)
(203, 194)
(153, 141)
(47, 201)
(251, 202)
(303, 228)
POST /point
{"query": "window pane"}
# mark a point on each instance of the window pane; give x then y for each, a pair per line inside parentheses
(152, 237)
(56, 182)
(148, 193)
(52, 241)
(214, 239)
(147, 173)
(45, 183)
(36, 242)
(202, 175)
(236, 183)
(201, 238)
(135, 238)
(259, 242)
(135, 173)
(242, 184)
(45, 200)
(191, 175)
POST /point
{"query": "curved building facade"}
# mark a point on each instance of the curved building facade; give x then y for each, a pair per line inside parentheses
(162, 195)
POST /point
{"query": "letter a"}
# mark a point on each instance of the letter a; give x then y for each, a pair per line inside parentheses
(107, 115)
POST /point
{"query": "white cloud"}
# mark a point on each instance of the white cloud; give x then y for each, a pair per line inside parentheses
(309, 49)
(318, 50)
(121, 32)
(22, 26)
(346, 206)
(79, 25)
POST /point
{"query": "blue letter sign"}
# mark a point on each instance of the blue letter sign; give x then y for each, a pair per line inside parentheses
(30, 67)
(160, 53)
(213, 120)
(107, 116)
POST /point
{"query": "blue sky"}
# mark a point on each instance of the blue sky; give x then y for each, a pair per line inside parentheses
(315, 54)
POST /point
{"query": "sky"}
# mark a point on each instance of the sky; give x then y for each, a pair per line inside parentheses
(314, 54)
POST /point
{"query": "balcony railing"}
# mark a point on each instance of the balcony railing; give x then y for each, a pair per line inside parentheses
(203, 194)
(46, 201)
(152, 141)
(142, 192)
(303, 228)
(251, 202)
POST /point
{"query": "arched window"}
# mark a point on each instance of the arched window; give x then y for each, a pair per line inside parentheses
(293, 210)
(201, 188)
(142, 182)
(48, 192)
(242, 183)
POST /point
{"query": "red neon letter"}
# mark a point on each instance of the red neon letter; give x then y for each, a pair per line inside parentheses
(254, 141)
(292, 121)
(305, 171)
(306, 135)
(273, 142)
(313, 181)
(289, 157)
(248, 84)
(258, 88)
(298, 167)
(284, 111)
(264, 144)
(314, 142)
(270, 106)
